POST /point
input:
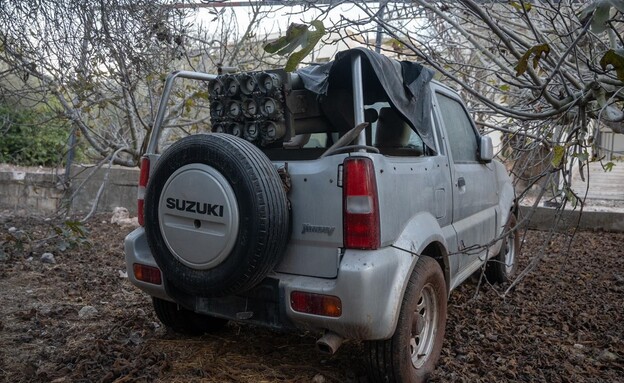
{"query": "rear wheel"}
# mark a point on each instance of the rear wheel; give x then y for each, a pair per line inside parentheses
(412, 352)
(185, 321)
(503, 266)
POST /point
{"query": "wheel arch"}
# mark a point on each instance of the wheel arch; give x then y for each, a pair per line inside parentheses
(423, 237)
(437, 251)
(507, 203)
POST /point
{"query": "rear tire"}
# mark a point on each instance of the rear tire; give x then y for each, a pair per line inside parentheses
(412, 352)
(503, 266)
(185, 321)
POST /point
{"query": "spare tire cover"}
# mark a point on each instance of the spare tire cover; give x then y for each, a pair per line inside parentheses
(216, 215)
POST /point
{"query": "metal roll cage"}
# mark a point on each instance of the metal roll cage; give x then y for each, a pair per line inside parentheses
(358, 100)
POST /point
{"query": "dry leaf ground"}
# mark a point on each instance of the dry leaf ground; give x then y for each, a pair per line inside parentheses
(563, 323)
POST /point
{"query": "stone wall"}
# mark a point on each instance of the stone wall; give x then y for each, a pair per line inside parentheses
(607, 219)
(120, 188)
(30, 190)
(40, 191)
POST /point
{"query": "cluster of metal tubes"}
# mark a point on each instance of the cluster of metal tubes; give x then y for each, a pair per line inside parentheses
(248, 105)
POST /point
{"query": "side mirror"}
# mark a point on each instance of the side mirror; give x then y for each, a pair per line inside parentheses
(486, 149)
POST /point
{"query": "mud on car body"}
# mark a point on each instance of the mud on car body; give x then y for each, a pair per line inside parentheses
(348, 198)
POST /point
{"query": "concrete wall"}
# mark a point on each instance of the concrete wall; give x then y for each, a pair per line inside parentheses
(30, 190)
(543, 218)
(41, 191)
(612, 145)
(119, 190)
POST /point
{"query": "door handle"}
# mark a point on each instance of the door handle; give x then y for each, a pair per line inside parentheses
(461, 182)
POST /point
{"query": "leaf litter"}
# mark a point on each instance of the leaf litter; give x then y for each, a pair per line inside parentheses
(563, 323)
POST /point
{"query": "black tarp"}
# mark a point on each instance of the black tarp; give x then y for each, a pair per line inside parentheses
(405, 83)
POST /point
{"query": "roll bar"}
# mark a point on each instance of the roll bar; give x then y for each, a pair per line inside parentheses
(358, 99)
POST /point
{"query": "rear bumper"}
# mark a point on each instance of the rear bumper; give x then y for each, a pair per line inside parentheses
(370, 285)
(137, 251)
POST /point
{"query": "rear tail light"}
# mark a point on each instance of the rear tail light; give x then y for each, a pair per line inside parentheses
(143, 178)
(317, 304)
(149, 274)
(360, 204)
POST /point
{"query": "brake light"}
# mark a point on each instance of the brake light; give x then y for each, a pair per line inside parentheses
(149, 274)
(143, 178)
(360, 204)
(318, 304)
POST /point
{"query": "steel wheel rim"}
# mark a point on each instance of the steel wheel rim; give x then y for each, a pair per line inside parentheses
(510, 253)
(424, 326)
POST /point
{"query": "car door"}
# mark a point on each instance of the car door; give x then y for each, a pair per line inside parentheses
(474, 209)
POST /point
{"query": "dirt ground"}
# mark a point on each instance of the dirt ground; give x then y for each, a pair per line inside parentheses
(80, 320)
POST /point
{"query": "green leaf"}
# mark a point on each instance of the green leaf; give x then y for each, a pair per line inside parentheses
(570, 196)
(616, 60)
(599, 12)
(618, 4)
(587, 12)
(538, 52)
(557, 159)
(518, 6)
(505, 88)
(601, 16)
(396, 45)
(608, 166)
(77, 228)
(297, 35)
(188, 104)
(202, 95)
(583, 157)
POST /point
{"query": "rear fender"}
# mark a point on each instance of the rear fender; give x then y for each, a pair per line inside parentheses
(421, 231)
(507, 195)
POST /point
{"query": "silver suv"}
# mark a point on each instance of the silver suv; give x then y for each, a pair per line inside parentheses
(348, 198)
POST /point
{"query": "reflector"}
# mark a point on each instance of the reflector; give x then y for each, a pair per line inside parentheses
(317, 304)
(149, 274)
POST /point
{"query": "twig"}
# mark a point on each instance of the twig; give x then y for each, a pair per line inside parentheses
(101, 189)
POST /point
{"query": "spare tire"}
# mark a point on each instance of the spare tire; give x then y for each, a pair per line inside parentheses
(216, 215)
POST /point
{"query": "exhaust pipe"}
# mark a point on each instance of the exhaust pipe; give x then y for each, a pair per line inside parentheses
(329, 343)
